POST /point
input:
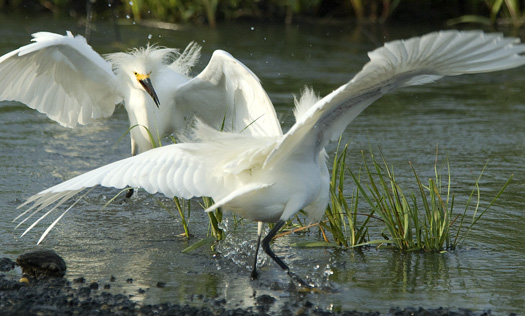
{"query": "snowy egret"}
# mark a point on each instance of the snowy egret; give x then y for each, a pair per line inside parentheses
(271, 178)
(63, 77)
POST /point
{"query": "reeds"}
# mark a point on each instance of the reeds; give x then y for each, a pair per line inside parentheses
(342, 216)
(422, 220)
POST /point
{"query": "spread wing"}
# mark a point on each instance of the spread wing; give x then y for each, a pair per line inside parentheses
(174, 170)
(398, 64)
(227, 90)
(184, 170)
(61, 76)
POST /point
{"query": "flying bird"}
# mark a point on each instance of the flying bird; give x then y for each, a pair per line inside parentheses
(63, 77)
(271, 178)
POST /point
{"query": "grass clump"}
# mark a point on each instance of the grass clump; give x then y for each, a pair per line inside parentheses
(423, 220)
(342, 221)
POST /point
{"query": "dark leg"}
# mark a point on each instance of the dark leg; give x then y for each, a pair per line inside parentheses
(266, 247)
(129, 193)
(259, 234)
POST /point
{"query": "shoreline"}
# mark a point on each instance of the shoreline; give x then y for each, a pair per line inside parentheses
(51, 295)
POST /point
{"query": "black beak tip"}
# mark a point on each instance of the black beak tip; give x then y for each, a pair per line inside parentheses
(146, 84)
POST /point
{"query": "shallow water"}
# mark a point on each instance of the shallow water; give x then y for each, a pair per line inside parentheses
(474, 120)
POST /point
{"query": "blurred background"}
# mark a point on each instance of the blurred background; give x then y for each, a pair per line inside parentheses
(213, 12)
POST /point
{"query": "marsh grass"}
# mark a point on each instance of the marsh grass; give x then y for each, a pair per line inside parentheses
(423, 220)
(341, 213)
(502, 12)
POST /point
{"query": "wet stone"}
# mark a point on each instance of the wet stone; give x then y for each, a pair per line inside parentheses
(79, 280)
(42, 263)
(6, 264)
(265, 299)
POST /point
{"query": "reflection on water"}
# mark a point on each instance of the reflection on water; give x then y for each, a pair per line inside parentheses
(474, 120)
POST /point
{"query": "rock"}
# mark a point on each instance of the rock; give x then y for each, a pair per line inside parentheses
(6, 264)
(42, 263)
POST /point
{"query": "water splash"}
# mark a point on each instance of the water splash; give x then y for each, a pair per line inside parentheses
(239, 245)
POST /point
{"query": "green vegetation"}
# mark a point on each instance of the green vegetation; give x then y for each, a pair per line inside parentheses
(212, 12)
(423, 220)
(342, 213)
(501, 12)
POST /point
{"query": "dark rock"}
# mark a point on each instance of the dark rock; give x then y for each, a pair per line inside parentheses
(6, 264)
(42, 263)
(79, 280)
(265, 299)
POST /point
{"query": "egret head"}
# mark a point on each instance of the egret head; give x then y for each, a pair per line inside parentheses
(141, 67)
(145, 82)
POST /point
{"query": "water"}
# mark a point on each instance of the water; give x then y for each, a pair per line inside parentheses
(474, 120)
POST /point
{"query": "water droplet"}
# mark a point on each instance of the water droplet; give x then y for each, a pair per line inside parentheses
(127, 16)
(252, 28)
(150, 36)
(131, 3)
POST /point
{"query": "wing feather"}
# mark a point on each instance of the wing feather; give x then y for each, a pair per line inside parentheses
(228, 88)
(184, 170)
(61, 76)
(397, 64)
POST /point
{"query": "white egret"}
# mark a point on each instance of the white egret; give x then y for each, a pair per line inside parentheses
(271, 178)
(63, 77)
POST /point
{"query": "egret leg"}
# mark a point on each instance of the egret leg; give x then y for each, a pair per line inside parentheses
(259, 235)
(266, 247)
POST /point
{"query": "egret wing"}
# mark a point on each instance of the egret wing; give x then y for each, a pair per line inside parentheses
(61, 76)
(182, 170)
(397, 64)
(226, 90)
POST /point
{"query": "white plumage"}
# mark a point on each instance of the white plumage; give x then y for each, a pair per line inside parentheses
(63, 77)
(270, 178)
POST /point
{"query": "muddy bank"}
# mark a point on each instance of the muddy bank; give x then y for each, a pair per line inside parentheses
(52, 295)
